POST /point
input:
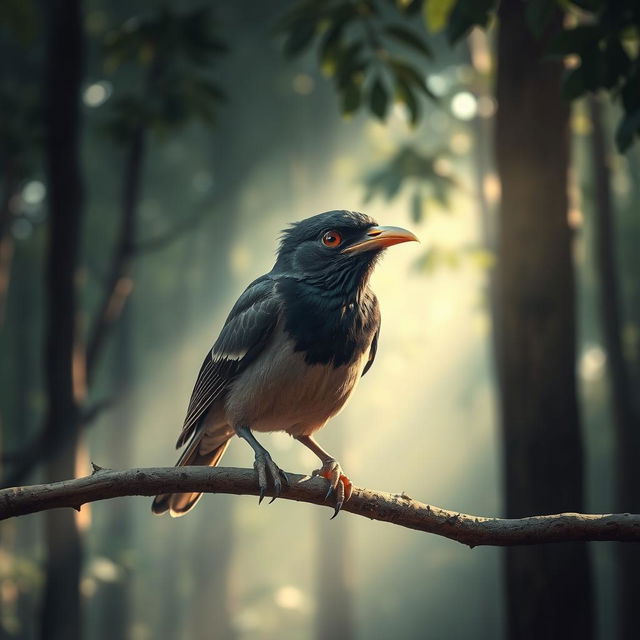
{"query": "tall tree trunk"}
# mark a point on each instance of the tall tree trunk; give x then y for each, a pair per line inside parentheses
(548, 587)
(65, 53)
(6, 240)
(626, 420)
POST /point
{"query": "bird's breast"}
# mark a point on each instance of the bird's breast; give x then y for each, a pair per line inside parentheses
(326, 326)
(281, 391)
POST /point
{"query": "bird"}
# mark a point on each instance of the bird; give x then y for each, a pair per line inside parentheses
(290, 353)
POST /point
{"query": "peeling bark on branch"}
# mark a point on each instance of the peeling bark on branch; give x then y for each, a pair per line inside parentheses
(377, 505)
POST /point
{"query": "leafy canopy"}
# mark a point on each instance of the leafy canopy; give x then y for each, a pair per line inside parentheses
(175, 52)
(377, 51)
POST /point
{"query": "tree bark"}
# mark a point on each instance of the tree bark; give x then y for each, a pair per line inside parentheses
(6, 239)
(65, 55)
(548, 588)
(626, 423)
(399, 509)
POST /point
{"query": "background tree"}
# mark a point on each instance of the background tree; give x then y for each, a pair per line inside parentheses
(536, 339)
(284, 153)
(64, 71)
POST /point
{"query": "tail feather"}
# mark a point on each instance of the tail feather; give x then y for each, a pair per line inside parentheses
(178, 504)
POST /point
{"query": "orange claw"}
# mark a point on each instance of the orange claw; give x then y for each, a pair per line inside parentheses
(348, 487)
(346, 483)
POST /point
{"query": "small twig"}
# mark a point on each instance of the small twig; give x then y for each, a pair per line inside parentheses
(376, 505)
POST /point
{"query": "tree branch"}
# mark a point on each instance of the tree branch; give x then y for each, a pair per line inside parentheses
(397, 509)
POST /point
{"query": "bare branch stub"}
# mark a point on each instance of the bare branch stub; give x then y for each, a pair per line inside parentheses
(398, 509)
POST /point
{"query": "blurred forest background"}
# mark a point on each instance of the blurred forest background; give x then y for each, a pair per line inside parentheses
(149, 156)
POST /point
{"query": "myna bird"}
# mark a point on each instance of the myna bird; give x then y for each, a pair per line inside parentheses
(291, 351)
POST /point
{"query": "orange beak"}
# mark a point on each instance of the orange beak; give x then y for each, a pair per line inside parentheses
(380, 238)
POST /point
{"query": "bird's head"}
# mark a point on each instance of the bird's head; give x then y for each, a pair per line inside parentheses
(336, 249)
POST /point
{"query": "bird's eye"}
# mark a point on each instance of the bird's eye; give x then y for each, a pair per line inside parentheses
(331, 239)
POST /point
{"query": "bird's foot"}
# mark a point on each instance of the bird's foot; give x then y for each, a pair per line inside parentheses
(267, 469)
(339, 484)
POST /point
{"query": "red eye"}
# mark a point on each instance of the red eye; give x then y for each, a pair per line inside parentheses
(331, 239)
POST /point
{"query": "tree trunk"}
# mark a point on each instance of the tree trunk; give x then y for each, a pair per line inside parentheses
(65, 53)
(548, 588)
(6, 239)
(626, 421)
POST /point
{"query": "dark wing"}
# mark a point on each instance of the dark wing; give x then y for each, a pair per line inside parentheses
(241, 340)
(375, 319)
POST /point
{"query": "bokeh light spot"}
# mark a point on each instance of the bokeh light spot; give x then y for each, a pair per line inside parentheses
(464, 105)
(303, 84)
(592, 363)
(486, 106)
(289, 597)
(460, 143)
(437, 83)
(97, 94)
(34, 192)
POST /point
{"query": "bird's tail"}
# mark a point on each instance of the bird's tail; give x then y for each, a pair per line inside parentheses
(178, 504)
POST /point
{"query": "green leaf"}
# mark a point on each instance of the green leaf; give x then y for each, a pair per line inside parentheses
(331, 43)
(467, 14)
(410, 76)
(410, 7)
(589, 5)
(575, 40)
(351, 98)
(628, 128)
(417, 210)
(539, 14)
(574, 84)
(300, 36)
(436, 13)
(408, 97)
(348, 64)
(379, 99)
(629, 90)
(616, 62)
(409, 38)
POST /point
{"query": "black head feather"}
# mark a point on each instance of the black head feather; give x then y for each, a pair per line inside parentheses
(328, 310)
(351, 222)
(303, 255)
